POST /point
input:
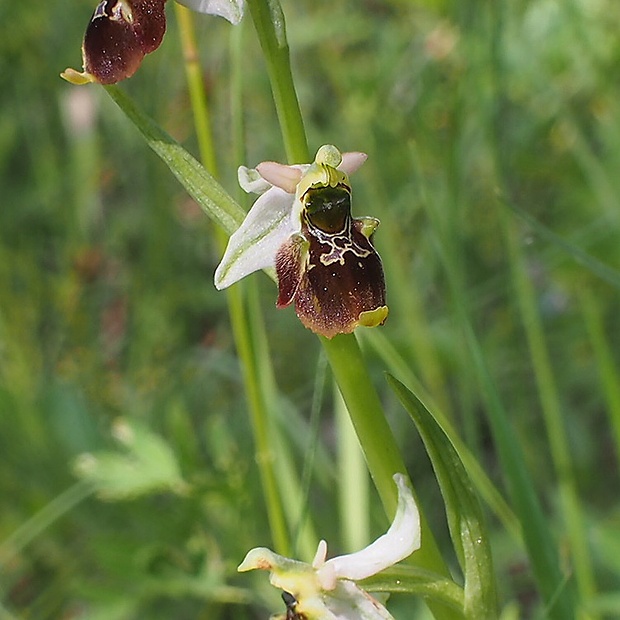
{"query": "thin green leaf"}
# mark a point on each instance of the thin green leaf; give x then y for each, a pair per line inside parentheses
(465, 518)
(596, 267)
(412, 580)
(201, 186)
(397, 366)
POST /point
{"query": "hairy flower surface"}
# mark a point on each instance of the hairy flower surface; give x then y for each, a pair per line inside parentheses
(121, 32)
(302, 225)
(327, 589)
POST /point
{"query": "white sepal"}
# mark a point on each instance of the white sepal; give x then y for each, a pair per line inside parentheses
(254, 244)
(232, 10)
(251, 181)
(399, 542)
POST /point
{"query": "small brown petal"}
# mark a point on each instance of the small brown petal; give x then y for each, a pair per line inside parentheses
(291, 260)
(119, 35)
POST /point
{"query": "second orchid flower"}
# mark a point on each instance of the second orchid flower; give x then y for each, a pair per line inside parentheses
(121, 32)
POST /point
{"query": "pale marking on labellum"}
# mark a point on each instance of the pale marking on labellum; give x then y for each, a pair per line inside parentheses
(340, 243)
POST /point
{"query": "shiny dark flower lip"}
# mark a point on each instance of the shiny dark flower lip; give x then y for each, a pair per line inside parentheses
(121, 32)
(324, 258)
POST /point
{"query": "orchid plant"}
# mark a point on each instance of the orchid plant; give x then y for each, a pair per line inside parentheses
(301, 228)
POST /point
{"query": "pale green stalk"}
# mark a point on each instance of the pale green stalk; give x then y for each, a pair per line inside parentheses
(260, 418)
(375, 436)
(259, 404)
(607, 368)
(291, 489)
(558, 593)
(352, 482)
(314, 431)
(195, 84)
(552, 416)
(39, 522)
(536, 534)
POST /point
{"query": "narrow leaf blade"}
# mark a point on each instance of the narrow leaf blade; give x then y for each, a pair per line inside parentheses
(465, 518)
(201, 186)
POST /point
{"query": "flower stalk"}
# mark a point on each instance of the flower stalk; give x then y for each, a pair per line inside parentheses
(377, 441)
(237, 310)
(345, 357)
(268, 20)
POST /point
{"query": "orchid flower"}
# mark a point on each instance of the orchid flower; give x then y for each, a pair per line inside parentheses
(327, 589)
(121, 32)
(302, 225)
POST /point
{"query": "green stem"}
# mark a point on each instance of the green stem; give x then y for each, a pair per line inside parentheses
(42, 520)
(343, 352)
(290, 486)
(606, 365)
(375, 436)
(257, 400)
(195, 84)
(552, 414)
(558, 593)
(269, 23)
(259, 417)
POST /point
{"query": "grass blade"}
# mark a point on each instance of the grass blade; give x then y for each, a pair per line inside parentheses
(465, 519)
(583, 258)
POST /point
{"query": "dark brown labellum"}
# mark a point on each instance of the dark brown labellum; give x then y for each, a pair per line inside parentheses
(331, 270)
(119, 35)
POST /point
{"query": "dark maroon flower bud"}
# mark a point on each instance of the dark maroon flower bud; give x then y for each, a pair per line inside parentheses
(119, 35)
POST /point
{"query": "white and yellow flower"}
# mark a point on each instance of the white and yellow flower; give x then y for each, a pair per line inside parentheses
(327, 589)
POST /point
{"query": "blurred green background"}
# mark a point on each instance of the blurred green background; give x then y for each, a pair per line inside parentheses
(108, 312)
